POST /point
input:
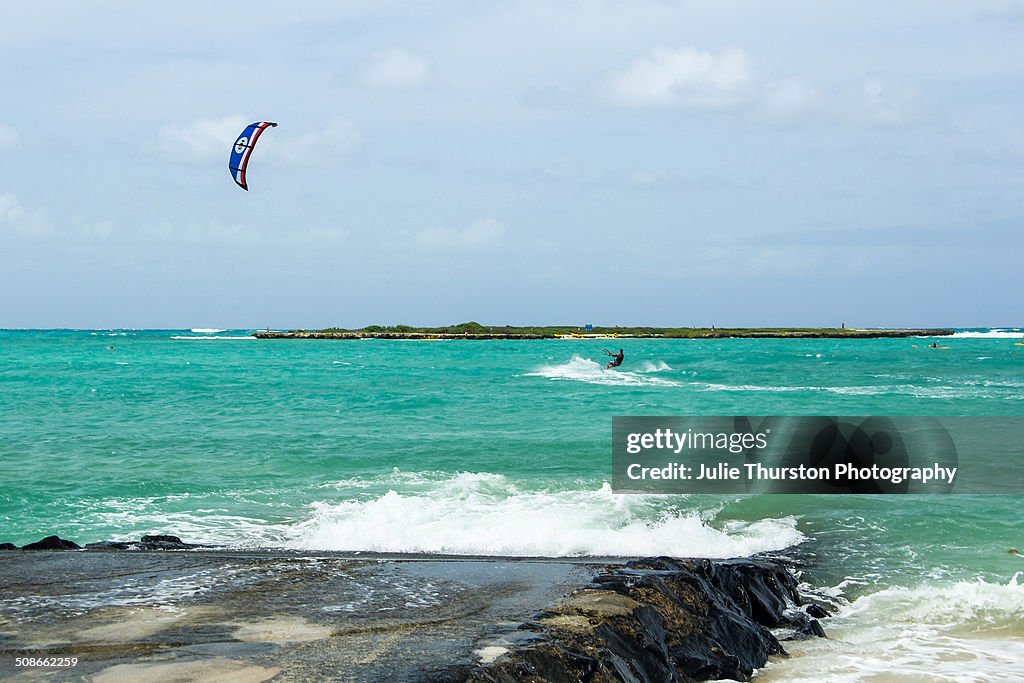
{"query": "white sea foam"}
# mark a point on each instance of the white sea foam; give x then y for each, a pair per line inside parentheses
(580, 369)
(967, 631)
(463, 514)
(934, 392)
(488, 514)
(130, 518)
(853, 390)
(206, 330)
(133, 592)
(211, 336)
(656, 366)
(1004, 333)
(754, 387)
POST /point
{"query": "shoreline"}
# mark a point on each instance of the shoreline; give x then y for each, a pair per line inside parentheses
(485, 334)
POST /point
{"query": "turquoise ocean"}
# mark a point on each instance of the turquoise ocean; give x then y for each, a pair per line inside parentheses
(503, 448)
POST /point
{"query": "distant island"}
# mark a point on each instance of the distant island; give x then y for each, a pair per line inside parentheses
(474, 330)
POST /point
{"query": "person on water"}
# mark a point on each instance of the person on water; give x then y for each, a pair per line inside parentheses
(616, 360)
(935, 345)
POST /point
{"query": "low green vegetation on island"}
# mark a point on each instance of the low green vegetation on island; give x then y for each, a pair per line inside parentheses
(475, 330)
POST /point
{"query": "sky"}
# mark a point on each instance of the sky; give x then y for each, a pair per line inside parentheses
(519, 162)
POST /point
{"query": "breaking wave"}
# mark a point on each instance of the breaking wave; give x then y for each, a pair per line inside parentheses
(580, 369)
(967, 631)
(1002, 333)
(488, 514)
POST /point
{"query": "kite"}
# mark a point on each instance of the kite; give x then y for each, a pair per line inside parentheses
(242, 150)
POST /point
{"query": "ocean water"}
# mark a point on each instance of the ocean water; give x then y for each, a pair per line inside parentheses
(503, 448)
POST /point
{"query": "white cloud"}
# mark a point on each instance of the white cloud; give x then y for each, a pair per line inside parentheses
(29, 223)
(683, 78)
(687, 78)
(202, 140)
(321, 146)
(206, 140)
(479, 234)
(397, 70)
(82, 228)
(884, 103)
(8, 137)
(788, 97)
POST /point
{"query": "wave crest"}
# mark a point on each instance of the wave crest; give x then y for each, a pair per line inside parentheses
(487, 514)
(580, 369)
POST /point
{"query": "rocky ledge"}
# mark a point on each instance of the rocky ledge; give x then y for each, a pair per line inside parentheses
(132, 610)
(151, 542)
(662, 620)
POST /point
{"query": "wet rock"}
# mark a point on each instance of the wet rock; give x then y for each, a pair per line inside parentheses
(810, 629)
(165, 542)
(8, 546)
(816, 611)
(52, 543)
(109, 545)
(546, 663)
(661, 619)
(162, 538)
(800, 626)
(149, 542)
(600, 604)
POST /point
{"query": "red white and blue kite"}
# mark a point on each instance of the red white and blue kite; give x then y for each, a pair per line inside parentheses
(242, 150)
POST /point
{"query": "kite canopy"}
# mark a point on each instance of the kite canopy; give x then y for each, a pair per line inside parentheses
(242, 150)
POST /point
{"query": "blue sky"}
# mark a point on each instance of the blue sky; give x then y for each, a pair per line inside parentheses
(549, 161)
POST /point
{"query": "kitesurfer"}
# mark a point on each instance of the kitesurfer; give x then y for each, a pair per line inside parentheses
(616, 360)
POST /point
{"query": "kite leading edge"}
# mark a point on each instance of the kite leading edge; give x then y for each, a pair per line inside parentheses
(244, 145)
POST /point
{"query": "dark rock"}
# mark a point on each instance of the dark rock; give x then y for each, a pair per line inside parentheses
(164, 542)
(151, 542)
(108, 545)
(162, 538)
(546, 663)
(816, 611)
(812, 629)
(764, 590)
(664, 620)
(643, 657)
(802, 626)
(8, 546)
(52, 543)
